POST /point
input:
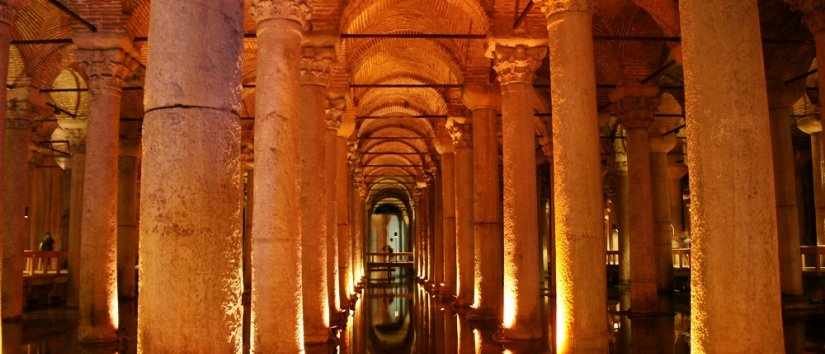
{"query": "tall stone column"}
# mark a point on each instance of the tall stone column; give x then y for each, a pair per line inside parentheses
(660, 146)
(784, 170)
(342, 204)
(488, 243)
(818, 162)
(74, 132)
(333, 123)
(106, 60)
(437, 244)
(127, 214)
(359, 227)
(423, 227)
(191, 207)
(731, 181)
(623, 217)
(637, 105)
(676, 171)
(581, 294)
(515, 66)
(448, 281)
(462, 135)
(276, 219)
(17, 197)
(814, 12)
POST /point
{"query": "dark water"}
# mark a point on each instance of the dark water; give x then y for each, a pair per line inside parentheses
(398, 316)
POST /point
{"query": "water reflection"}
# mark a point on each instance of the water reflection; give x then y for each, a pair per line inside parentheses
(398, 316)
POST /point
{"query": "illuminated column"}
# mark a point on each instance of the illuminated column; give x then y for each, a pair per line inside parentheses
(637, 105)
(461, 133)
(515, 66)
(815, 19)
(190, 232)
(333, 122)
(581, 294)
(423, 214)
(676, 171)
(315, 67)
(342, 202)
(437, 244)
(780, 103)
(106, 60)
(733, 226)
(488, 244)
(623, 216)
(359, 227)
(74, 131)
(660, 146)
(813, 127)
(448, 216)
(127, 214)
(17, 197)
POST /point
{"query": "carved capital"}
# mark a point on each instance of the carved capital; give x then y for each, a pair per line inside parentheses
(8, 11)
(551, 8)
(480, 97)
(290, 10)
(461, 132)
(636, 105)
(518, 63)
(316, 65)
(72, 130)
(814, 12)
(106, 69)
(335, 112)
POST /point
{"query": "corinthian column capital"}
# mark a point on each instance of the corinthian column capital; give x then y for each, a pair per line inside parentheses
(555, 7)
(335, 113)
(106, 59)
(316, 65)
(289, 10)
(516, 63)
(636, 104)
(461, 132)
(814, 11)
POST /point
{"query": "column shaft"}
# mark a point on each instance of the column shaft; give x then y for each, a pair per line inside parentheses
(489, 244)
(817, 162)
(127, 225)
(663, 230)
(731, 181)
(642, 240)
(438, 233)
(581, 294)
(77, 164)
(464, 221)
(342, 204)
(190, 232)
(448, 214)
(15, 229)
(313, 219)
(787, 212)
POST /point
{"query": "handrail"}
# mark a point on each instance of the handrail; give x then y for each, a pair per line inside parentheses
(613, 257)
(43, 263)
(681, 258)
(813, 258)
(389, 257)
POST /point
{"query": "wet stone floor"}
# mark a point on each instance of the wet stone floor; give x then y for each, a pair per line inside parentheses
(398, 316)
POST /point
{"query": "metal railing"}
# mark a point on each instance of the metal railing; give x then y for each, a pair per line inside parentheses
(813, 258)
(43, 263)
(389, 258)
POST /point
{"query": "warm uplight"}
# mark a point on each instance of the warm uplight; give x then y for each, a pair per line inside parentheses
(563, 320)
(510, 292)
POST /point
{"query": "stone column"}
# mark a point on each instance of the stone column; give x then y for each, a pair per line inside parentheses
(731, 181)
(342, 204)
(784, 170)
(623, 216)
(581, 294)
(437, 244)
(74, 131)
(190, 232)
(17, 197)
(107, 60)
(515, 66)
(488, 244)
(814, 12)
(359, 226)
(448, 282)
(818, 162)
(276, 225)
(637, 105)
(333, 123)
(462, 135)
(419, 227)
(127, 214)
(676, 171)
(660, 146)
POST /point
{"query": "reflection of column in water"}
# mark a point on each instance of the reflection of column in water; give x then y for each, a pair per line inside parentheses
(466, 340)
(450, 332)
